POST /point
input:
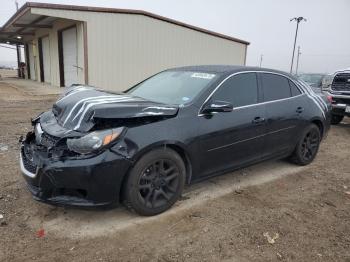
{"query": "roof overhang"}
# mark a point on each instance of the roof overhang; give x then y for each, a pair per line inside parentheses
(24, 23)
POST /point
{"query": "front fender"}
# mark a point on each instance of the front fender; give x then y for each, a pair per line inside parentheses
(163, 143)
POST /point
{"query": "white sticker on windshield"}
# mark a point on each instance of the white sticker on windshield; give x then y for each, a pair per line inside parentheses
(203, 75)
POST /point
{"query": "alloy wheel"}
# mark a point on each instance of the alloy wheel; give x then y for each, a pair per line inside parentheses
(309, 145)
(158, 183)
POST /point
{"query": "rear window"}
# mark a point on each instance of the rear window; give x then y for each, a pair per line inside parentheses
(275, 87)
(294, 89)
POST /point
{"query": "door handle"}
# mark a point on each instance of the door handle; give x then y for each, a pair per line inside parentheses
(299, 110)
(79, 67)
(258, 120)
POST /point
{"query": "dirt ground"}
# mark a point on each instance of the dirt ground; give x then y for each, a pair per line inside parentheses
(7, 73)
(274, 211)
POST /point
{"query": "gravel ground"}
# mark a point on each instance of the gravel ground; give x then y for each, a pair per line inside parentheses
(270, 212)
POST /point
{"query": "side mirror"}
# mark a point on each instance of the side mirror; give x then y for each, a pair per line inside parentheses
(217, 106)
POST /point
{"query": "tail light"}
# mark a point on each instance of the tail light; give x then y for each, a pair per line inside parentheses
(330, 99)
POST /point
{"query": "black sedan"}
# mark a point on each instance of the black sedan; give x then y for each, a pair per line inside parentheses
(182, 125)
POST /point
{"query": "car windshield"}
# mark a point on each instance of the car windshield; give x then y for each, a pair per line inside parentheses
(173, 87)
(313, 79)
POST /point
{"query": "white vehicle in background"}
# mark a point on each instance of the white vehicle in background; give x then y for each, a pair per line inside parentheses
(337, 86)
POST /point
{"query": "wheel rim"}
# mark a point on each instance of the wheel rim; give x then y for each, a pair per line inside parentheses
(310, 145)
(158, 183)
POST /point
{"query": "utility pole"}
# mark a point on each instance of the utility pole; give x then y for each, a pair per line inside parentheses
(299, 53)
(298, 20)
(261, 59)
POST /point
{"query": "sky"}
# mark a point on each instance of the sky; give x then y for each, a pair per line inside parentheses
(324, 38)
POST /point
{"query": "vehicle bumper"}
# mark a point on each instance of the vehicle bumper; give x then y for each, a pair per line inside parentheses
(340, 104)
(340, 109)
(85, 182)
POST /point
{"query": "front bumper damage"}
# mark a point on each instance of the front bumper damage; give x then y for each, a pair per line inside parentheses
(57, 175)
(93, 180)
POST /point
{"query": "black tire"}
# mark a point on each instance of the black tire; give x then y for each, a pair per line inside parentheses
(307, 148)
(155, 183)
(336, 119)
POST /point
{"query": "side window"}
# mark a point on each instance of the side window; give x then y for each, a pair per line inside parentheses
(294, 89)
(275, 87)
(240, 90)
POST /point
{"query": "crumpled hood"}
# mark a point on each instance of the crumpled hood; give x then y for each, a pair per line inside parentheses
(79, 107)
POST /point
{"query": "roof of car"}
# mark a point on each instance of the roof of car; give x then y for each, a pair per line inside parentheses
(227, 69)
(313, 74)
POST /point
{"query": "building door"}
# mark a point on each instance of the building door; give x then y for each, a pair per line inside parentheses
(70, 58)
(31, 61)
(46, 59)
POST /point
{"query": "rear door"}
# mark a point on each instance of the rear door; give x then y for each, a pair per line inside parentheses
(284, 109)
(70, 59)
(232, 139)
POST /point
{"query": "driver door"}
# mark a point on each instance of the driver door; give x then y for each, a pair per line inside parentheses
(233, 139)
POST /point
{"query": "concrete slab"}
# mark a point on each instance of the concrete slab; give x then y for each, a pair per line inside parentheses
(31, 87)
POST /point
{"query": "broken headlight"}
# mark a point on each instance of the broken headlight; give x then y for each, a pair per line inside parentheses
(93, 141)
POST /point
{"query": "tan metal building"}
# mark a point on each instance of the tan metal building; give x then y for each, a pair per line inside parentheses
(110, 48)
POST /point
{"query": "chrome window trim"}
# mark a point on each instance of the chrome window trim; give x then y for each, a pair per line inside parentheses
(256, 104)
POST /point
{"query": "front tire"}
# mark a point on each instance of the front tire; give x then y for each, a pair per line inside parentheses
(307, 148)
(155, 183)
(336, 119)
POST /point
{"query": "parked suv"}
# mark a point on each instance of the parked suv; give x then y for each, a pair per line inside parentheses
(337, 86)
(177, 127)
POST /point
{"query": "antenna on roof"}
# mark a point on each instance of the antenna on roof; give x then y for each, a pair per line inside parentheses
(16, 3)
(261, 59)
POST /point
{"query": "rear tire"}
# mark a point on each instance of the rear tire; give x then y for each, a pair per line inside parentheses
(336, 119)
(307, 148)
(155, 183)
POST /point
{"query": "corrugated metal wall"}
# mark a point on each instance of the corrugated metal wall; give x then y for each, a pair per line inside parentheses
(123, 49)
(53, 38)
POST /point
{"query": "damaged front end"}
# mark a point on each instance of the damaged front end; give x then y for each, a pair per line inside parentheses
(77, 153)
(57, 175)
